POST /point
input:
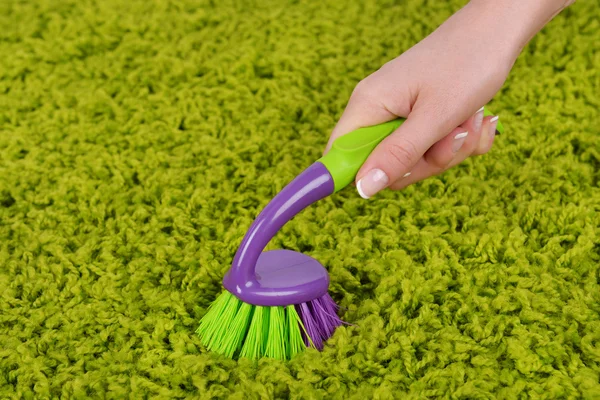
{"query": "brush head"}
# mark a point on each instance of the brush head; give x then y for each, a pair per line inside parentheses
(241, 330)
(281, 277)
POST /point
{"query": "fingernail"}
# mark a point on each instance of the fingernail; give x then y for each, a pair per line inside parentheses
(478, 120)
(458, 141)
(372, 183)
(492, 128)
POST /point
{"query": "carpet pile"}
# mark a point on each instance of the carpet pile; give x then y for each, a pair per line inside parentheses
(139, 139)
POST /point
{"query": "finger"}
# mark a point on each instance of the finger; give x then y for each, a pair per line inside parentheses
(438, 158)
(487, 136)
(397, 154)
(458, 144)
(453, 148)
(444, 150)
(362, 110)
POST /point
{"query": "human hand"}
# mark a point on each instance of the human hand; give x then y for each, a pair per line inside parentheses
(440, 86)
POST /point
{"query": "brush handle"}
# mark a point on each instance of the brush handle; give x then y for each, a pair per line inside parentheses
(330, 174)
(310, 186)
(349, 152)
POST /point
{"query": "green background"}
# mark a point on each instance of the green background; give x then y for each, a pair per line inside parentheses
(139, 139)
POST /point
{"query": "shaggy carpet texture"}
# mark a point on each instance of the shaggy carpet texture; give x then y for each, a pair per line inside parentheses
(139, 139)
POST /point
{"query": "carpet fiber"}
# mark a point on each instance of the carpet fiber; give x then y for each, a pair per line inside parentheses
(139, 139)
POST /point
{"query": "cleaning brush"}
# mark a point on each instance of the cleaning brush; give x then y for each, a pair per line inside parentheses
(276, 303)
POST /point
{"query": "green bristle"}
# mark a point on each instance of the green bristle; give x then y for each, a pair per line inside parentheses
(276, 342)
(232, 327)
(234, 337)
(215, 326)
(295, 342)
(209, 323)
(255, 343)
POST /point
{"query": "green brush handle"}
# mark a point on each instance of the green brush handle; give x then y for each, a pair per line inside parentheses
(349, 152)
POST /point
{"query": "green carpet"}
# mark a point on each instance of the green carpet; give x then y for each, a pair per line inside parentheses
(139, 139)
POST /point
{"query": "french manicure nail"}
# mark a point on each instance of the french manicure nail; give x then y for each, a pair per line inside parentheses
(492, 128)
(478, 120)
(459, 140)
(373, 182)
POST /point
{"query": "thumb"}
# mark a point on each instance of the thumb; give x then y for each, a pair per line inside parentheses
(397, 154)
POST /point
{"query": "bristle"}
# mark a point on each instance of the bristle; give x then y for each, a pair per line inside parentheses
(294, 326)
(320, 315)
(312, 333)
(255, 343)
(218, 318)
(237, 329)
(329, 310)
(320, 319)
(276, 342)
(234, 337)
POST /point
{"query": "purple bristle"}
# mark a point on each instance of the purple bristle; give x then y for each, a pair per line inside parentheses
(311, 327)
(320, 320)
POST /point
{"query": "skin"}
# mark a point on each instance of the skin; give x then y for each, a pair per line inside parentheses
(438, 85)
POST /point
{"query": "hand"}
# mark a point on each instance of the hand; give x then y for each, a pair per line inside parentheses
(440, 86)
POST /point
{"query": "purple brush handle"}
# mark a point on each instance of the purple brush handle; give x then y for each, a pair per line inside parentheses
(313, 184)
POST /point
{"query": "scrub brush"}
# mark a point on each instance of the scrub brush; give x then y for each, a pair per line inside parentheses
(276, 302)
